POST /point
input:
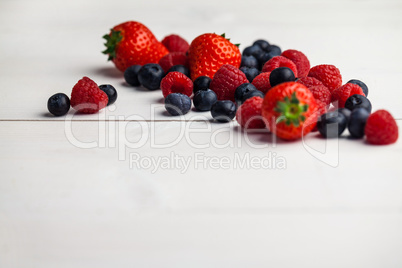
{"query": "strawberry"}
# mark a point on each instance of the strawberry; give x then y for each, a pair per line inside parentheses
(208, 52)
(132, 43)
(289, 110)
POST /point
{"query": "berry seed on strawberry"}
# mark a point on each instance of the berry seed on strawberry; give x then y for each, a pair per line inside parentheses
(226, 80)
(87, 98)
(381, 128)
(176, 82)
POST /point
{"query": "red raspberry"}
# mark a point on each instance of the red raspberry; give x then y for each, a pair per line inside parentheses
(309, 81)
(329, 75)
(321, 93)
(261, 82)
(175, 43)
(176, 82)
(342, 93)
(381, 128)
(87, 98)
(226, 80)
(249, 113)
(279, 61)
(299, 59)
(172, 59)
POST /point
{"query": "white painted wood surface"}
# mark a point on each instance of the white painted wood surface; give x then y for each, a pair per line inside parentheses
(315, 204)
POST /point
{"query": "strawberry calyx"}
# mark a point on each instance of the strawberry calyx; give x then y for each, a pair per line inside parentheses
(112, 40)
(224, 36)
(291, 110)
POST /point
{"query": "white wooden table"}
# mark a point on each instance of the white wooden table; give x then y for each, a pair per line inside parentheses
(83, 191)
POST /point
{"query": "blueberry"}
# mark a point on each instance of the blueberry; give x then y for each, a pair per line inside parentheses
(357, 122)
(253, 93)
(131, 75)
(249, 61)
(252, 50)
(250, 73)
(223, 111)
(150, 76)
(263, 58)
(201, 83)
(204, 99)
(58, 104)
(242, 90)
(262, 44)
(181, 69)
(275, 50)
(280, 75)
(332, 124)
(345, 112)
(110, 92)
(360, 84)
(358, 101)
(177, 104)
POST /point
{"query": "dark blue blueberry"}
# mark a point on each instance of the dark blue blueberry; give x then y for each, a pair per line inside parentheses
(110, 92)
(357, 122)
(201, 83)
(250, 73)
(150, 76)
(131, 75)
(249, 61)
(204, 99)
(262, 44)
(181, 69)
(345, 112)
(252, 50)
(275, 50)
(263, 58)
(358, 101)
(223, 111)
(177, 104)
(242, 90)
(332, 124)
(253, 93)
(58, 104)
(280, 75)
(360, 84)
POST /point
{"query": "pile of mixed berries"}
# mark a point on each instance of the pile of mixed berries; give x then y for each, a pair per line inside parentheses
(263, 87)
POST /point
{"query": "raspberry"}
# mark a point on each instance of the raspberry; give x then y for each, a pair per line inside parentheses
(87, 98)
(172, 59)
(381, 128)
(329, 75)
(226, 80)
(342, 93)
(279, 61)
(321, 93)
(300, 60)
(309, 81)
(176, 82)
(261, 82)
(175, 43)
(249, 113)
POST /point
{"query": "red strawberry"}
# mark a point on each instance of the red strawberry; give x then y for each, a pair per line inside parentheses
(175, 43)
(381, 128)
(208, 52)
(132, 43)
(290, 110)
(87, 98)
(226, 80)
